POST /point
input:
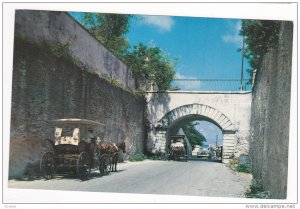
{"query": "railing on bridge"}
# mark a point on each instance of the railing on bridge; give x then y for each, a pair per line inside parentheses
(233, 85)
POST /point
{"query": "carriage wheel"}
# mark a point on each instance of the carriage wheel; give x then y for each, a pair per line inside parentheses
(83, 166)
(104, 164)
(47, 167)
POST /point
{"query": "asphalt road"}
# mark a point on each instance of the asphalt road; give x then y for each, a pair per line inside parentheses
(193, 178)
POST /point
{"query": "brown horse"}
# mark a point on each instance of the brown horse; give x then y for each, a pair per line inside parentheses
(112, 150)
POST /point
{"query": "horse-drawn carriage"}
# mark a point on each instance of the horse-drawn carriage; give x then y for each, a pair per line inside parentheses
(75, 149)
(177, 148)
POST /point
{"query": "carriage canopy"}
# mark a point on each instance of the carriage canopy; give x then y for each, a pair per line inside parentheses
(73, 130)
(177, 138)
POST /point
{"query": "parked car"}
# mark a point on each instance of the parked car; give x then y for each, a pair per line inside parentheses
(203, 154)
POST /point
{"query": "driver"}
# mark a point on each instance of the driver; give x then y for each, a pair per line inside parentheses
(92, 141)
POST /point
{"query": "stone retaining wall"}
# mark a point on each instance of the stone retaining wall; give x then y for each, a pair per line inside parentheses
(269, 135)
(59, 27)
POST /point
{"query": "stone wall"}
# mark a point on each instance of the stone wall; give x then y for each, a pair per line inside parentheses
(270, 113)
(59, 27)
(48, 86)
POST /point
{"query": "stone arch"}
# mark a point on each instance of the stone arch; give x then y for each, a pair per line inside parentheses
(193, 112)
(216, 117)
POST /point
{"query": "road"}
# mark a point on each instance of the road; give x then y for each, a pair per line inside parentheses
(192, 178)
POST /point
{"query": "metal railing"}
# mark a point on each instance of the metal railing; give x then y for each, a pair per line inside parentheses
(232, 85)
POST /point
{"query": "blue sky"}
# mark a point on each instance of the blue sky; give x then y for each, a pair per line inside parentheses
(207, 48)
(210, 131)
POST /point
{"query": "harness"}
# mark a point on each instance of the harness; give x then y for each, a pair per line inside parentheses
(115, 146)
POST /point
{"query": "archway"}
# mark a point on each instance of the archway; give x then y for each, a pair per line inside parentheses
(189, 126)
(170, 123)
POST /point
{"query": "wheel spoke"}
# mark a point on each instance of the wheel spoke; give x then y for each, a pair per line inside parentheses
(104, 164)
(83, 166)
(47, 167)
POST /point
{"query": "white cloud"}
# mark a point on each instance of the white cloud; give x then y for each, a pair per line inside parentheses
(210, 131)
(180, 76)
(236, 39)
(187, 85)
(234, 36)
(163, 23)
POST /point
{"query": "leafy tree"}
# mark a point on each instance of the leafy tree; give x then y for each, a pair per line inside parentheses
(150, 65)
(194, 136)
(109, 29)
(260, 37)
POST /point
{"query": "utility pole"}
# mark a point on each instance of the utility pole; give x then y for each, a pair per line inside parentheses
(242, 70)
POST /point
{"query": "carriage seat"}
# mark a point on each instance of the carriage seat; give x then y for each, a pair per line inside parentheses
(59, 139)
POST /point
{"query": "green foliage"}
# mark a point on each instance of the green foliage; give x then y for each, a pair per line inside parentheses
(151, 65)
(257, 191)
(137, 157)
(194, 136)
(245, 168)
(137, 92)
(156, 156)
(60, 50)
(115, 82)
(110, 30)
(260, 37)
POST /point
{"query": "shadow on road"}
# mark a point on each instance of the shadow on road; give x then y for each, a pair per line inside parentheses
(199, 159)
(68, 175)
(205, 160)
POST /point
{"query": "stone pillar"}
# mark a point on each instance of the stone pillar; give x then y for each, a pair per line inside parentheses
(229, 143)
(188, 145)
(160, 141)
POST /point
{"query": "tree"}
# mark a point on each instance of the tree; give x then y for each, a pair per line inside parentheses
(109, 29)
(260, 37)
(150, 65)
(194, 136)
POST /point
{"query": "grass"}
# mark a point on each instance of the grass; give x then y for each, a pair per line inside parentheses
(149, 156)
(245, 168)
(137, 92)
(137, 157)
(115, 82)
(156, 156)
(257, 191)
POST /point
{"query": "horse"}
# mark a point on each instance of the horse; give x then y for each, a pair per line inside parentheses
(112, 150)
